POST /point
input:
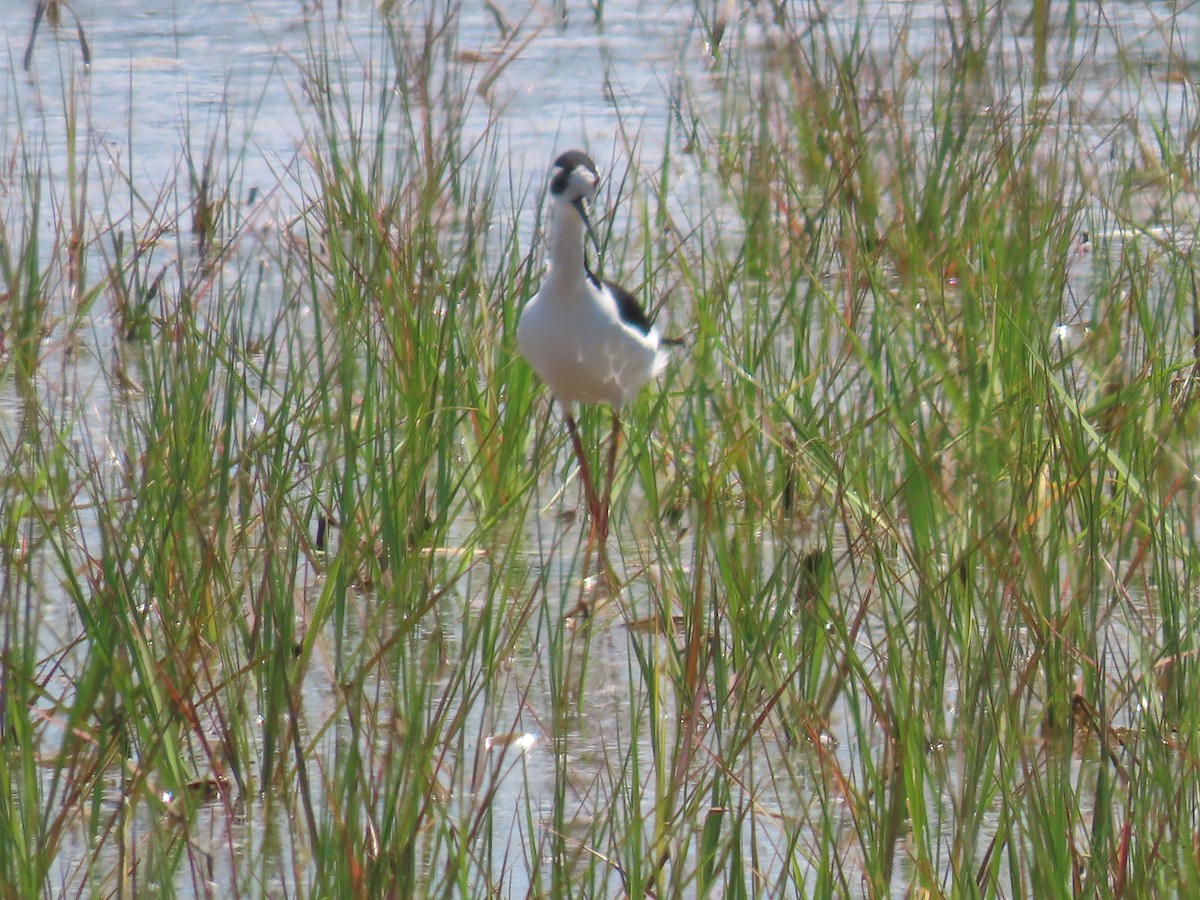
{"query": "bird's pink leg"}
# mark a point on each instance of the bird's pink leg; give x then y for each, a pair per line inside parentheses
(585, 472)
(598, 513)
(614, 440)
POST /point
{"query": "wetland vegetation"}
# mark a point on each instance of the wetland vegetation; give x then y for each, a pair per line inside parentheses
(907, 537)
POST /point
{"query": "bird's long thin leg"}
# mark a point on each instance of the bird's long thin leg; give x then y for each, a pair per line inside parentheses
(585, 471)
(614, 440)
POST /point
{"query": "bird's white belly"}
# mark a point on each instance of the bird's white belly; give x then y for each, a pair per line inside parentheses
(584, 353)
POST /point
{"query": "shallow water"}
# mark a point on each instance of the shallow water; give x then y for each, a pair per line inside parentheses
(166, 78)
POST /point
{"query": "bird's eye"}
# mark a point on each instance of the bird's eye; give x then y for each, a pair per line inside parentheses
(559, 179)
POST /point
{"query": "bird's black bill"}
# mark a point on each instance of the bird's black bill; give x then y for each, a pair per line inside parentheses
(587, 224)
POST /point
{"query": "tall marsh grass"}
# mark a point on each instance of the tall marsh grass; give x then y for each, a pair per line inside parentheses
(293, 600)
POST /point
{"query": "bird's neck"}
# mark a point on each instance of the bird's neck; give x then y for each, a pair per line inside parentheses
(565, 244)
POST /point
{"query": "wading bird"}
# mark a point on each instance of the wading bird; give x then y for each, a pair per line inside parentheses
(589, 340)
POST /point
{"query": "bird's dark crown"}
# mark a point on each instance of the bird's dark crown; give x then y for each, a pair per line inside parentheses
(566, 165)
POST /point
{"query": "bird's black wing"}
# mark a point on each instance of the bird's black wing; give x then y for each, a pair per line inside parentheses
(631, 311)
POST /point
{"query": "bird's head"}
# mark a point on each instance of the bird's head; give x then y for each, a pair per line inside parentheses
(573, 183)
(574, 179)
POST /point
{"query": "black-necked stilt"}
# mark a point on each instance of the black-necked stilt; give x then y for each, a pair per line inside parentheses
(588, 340)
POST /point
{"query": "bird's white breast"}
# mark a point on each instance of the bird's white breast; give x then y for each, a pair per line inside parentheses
(573, 336)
